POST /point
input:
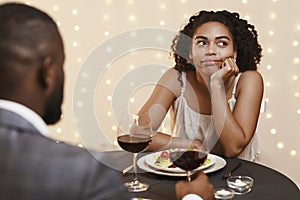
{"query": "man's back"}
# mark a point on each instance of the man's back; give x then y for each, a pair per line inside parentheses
(36, 167)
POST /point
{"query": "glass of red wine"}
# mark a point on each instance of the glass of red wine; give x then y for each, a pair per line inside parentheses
(134, 137)
(188, 159)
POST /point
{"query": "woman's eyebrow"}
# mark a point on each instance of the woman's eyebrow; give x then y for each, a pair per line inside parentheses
(200, 37)
(219, 37)
(223, 37)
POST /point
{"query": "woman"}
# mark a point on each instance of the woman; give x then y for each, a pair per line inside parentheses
(214, 92)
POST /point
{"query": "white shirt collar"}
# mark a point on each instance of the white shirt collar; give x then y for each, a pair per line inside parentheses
(27, 114)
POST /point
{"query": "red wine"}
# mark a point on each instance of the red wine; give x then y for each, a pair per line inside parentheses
(188, 160)
(134, 143)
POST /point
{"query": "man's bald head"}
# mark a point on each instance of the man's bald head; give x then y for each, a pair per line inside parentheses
(25, 33)
(31, 59)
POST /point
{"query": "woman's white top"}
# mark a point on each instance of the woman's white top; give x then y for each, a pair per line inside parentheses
(187, 123)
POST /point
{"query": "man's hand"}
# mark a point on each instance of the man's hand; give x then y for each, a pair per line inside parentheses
(200, 186)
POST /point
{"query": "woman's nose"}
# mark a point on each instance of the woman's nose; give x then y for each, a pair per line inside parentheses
(210, 50)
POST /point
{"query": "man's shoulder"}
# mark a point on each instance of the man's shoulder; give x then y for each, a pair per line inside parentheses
(68, 150)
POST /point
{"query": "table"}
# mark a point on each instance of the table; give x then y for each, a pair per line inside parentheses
(268, 183)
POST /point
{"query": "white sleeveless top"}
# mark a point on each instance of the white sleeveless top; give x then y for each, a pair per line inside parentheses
(187, 123)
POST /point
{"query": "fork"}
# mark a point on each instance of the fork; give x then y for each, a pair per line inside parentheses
(127, 169)
(226, 176)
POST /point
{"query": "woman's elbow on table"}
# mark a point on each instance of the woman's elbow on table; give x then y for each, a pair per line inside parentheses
(232, 152)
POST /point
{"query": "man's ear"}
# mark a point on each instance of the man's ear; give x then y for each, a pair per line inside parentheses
(47, 72)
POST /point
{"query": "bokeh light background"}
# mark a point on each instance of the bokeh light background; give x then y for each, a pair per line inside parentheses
(85, 24)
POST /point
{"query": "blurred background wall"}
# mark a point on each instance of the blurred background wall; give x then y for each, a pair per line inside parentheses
(94, 31)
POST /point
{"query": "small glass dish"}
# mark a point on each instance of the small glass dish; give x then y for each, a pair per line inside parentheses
(240, 184)
(223, 193)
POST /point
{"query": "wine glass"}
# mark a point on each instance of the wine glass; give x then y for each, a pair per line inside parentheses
(188, 159)
(134, 137)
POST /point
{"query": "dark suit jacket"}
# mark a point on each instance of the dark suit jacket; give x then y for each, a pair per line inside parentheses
(33, 166)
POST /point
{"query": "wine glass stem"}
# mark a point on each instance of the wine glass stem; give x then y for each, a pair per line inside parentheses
(189, 176)
(134, 167)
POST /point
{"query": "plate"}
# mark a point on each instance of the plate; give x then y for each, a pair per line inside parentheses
(151, 158)
(219, 164)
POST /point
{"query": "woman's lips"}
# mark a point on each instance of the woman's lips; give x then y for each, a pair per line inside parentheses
(211, 62)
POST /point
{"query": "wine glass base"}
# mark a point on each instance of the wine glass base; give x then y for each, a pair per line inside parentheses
(136, 186)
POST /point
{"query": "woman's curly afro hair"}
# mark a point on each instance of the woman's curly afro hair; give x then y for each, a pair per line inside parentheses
(244, 39)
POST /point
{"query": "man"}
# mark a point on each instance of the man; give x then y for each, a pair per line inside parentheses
(31, 91)
(34, 166)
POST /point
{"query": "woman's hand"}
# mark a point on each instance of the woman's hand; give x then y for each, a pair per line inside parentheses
(196, 144)
(228, 69)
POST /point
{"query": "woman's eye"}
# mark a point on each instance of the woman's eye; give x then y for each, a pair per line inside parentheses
(222, 43)
(201, 43)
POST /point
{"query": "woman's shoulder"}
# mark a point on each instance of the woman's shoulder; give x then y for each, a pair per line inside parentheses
(250, 79)
(170, 76)
(251, 75)
(171, 79)
(172, 72)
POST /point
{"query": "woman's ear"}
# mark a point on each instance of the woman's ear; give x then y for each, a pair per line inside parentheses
(190, 58)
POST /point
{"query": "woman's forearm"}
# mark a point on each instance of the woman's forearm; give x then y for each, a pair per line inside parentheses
(162, 141)
(231, 136)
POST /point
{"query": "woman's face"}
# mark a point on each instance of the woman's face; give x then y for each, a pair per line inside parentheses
(212, 43)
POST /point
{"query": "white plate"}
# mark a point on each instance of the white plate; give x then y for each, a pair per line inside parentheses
(150, 160)
(219, 164)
